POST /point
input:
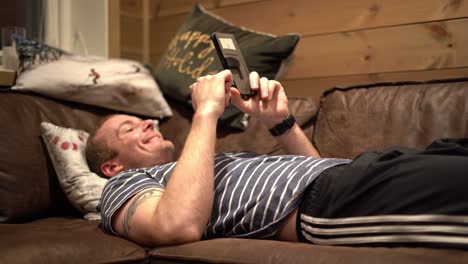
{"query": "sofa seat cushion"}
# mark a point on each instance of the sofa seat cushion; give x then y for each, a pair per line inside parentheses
(375, 117)
(64, 240)
(232, 250)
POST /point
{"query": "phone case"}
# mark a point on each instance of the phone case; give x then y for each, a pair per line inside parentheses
(232, 59)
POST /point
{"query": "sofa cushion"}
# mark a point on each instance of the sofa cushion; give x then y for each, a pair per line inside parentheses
(29, 185)
(374, 117)
(67, 147)
(62, 240)
(232, 250)
(122, 85)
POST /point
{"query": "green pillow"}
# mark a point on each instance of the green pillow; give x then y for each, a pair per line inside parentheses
(191, 54)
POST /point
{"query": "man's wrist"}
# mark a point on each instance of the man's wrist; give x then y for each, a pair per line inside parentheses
(206, 115)
(271, 122)
(282, 127)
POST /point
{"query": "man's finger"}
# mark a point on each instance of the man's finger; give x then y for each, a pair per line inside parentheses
(192, 86)
(264, 88)
(228, 79)
(273, 89)
(225, 74)
(254, 79)
(238, 102)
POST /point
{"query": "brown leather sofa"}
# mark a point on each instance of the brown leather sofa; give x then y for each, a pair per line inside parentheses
(38, 224)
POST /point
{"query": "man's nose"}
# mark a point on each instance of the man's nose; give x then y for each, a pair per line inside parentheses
(147, 125)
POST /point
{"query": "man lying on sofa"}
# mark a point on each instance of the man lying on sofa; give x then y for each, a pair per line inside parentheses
(398, 197)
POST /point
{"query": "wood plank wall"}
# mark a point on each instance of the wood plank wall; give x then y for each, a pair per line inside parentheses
(343, 42)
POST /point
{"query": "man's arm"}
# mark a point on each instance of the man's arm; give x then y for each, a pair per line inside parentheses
(271, 108)
(294, 141)
(180, 213)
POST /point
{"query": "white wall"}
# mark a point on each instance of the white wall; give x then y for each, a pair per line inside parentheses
(77, 26)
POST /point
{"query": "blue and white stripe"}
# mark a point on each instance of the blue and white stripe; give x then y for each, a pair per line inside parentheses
(252, 193)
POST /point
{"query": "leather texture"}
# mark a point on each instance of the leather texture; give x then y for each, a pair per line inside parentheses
(30, 189)
(65, 240)
(38, 224)
(231, 250)
(370, 118)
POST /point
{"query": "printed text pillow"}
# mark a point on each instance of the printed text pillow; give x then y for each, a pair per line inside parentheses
(191, 54)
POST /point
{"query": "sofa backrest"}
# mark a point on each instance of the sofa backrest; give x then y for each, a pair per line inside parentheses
(374, 117)
(29, 187)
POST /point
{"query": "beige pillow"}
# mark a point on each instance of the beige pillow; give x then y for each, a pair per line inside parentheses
(116, 84)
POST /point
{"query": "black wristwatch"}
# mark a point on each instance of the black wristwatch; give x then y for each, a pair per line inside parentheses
(284, 126)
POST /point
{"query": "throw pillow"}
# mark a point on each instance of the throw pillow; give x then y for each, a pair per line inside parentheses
(66, 148)
(191, 54)
(117, 84)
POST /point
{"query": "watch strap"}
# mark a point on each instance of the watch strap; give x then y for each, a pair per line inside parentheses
(284, 126)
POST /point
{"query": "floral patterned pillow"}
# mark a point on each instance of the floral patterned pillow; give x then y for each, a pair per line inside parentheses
(66, 147)
(117, 84)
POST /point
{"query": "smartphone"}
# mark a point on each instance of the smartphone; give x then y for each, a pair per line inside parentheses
(232, 59)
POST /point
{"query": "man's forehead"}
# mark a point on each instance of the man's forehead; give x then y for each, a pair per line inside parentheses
(115, 121)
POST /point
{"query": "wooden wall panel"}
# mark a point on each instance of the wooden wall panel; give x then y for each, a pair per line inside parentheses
(176, 7)
(114, 29)
(404, 48)
(320, 17)
(131, 36)
(313, 18)
(163, 30)
(130, 8)
(343, 42)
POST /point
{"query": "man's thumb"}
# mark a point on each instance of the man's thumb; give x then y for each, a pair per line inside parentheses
(237, 101)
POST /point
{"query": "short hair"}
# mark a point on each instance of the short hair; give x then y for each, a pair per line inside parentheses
(98, 151)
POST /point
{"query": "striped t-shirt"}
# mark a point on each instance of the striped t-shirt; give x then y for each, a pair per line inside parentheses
(252, 193)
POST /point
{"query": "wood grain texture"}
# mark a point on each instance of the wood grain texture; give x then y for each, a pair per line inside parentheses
(114, 29)
(131, 37)
(422, 46)
(342, 43)
(313, 18)
(130, 8)
(177, 7)
(146, 31)
(320, 17)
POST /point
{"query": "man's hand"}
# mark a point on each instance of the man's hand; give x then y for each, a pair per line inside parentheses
(210, 94)
(270, 106)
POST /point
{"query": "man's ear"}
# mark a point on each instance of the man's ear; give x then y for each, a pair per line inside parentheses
(111, 168)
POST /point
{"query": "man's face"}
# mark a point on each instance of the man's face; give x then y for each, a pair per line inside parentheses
(136, 142)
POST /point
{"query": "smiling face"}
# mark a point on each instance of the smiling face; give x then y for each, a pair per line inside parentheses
(136, 142)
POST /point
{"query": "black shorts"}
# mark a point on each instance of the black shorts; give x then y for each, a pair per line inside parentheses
(400, 197)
